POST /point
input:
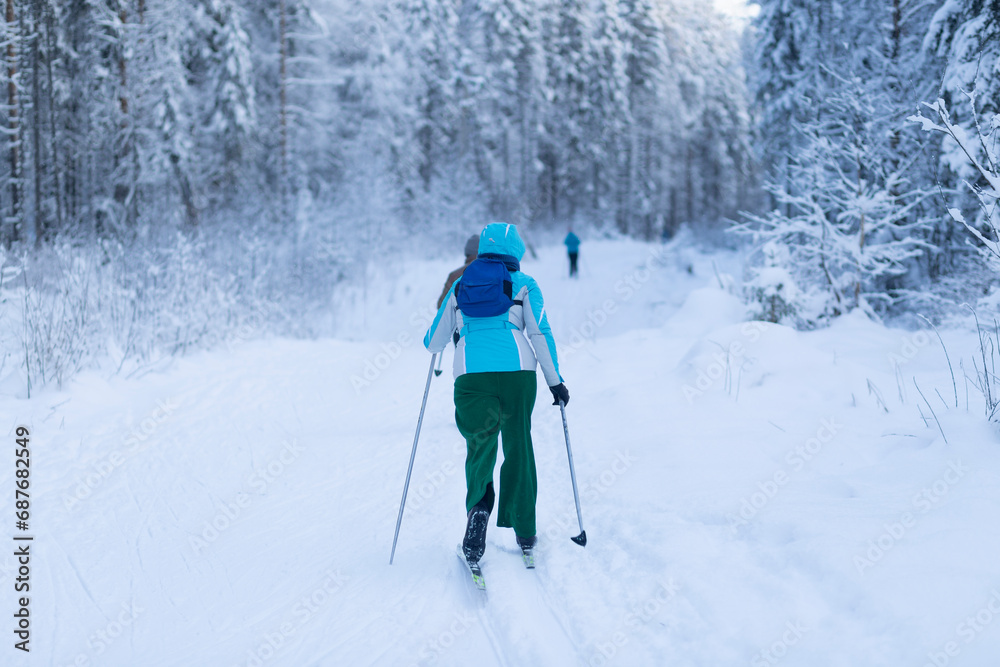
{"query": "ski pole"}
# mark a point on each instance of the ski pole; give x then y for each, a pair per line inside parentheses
(437, 371)
(580, 539)
(413, 454)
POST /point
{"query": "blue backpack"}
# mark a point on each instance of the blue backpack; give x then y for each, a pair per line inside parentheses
(484, 289)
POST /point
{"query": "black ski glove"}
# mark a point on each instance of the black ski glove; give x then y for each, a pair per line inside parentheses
(560, 393)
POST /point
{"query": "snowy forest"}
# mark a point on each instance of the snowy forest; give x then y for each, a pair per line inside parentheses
(768, 238)
(217, 157)
(228, 160)
(127, 117)
(282, 147)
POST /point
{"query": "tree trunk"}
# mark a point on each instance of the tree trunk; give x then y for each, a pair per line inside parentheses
(624, 194)
(53, 138)
(648, 205)
(41, 223)
(861, 236)
(123, 65)
(672, 223)
(283, 111)
(896, 28)
(894, 60)
(595, 201)
(13, 126)
(125, 159)
(689, 183)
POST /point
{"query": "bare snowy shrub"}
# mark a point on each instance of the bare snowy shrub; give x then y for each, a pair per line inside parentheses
(985, 378)
(123, 308)
(58, 326)
(983, 180)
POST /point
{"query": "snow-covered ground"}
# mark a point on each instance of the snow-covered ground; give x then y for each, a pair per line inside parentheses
(752, 495)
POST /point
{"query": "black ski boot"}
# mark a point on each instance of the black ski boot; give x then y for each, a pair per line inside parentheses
(474, 543)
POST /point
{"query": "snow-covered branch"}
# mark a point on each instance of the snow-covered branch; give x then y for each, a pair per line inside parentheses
(982, 156)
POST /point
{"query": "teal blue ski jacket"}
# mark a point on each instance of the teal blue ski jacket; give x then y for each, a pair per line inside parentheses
(572, 242)
(518, 340)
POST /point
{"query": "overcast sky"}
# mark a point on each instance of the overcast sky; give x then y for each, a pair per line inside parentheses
(740, 8)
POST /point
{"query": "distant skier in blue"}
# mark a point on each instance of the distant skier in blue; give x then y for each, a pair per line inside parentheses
(572, 243)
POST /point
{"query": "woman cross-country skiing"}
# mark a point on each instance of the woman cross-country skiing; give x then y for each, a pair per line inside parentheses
(499, 315)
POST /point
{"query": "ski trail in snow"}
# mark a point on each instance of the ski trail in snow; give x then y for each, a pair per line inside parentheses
(479, 602)
(81, 581)
(487, 624)
(543, 584)
(519, 616)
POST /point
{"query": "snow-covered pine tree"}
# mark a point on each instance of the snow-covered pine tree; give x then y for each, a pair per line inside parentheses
(265, 123)
(165, 107)
(787, 77)
(965, 34)
(220, 73)
(13, 213)
(508, 100)
(609, 115)
(850, 220)
(123, 25)
(47, 101)
(901, 73)
(561, 147)
(432, 31)
(964, 39)
(833, 100)
(646, 61)
(844, 238)
(711, 177)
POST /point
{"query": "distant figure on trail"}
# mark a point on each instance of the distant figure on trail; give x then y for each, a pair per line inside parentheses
(499, 313)
(471, 250)
(572, 243)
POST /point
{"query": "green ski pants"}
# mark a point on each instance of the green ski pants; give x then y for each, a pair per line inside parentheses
(488, 405)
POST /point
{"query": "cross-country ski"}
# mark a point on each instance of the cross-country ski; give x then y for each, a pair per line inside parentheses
(474, 570)
(528, 557)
